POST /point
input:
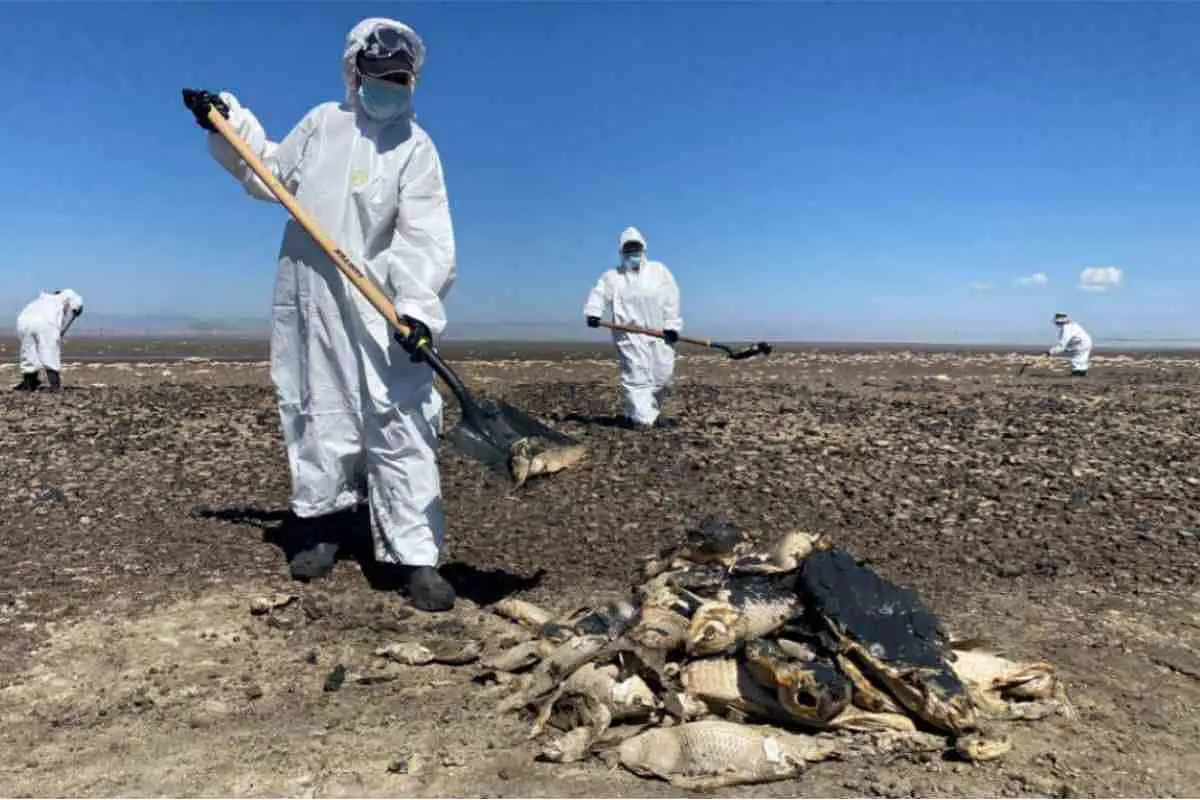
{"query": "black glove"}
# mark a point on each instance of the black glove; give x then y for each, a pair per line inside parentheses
(593, 322)
(198, 101)
(419, 338)
(670, 337)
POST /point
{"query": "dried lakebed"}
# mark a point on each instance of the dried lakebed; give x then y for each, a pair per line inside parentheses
(1057, 519)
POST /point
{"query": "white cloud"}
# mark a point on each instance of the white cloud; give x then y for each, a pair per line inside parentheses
(980, 286)
(1099, 279)
(1036, 279)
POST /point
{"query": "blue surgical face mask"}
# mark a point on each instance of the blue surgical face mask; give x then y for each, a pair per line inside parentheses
(384, 100)
(632, 260)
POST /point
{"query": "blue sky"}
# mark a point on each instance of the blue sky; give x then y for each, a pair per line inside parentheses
(842, 170)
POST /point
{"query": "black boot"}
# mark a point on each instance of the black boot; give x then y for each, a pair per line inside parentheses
(29, 382)
(54, 380)
(317, 551)
(1079, 373)
(429, 591)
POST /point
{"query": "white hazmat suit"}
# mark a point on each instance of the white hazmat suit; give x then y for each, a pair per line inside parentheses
(1075, 343)
(40, 328)
(648, 297)
(354, 409)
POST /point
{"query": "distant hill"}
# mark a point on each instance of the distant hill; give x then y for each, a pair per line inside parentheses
(159, 325)
(174, 326)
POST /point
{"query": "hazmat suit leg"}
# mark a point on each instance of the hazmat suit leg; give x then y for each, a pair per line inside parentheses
(394, 454)
(404, 485)
(325, 462)
(647, 367)
(49, 348)
(31, 361)
(641, 396)
(325, 459)
(1080, 360)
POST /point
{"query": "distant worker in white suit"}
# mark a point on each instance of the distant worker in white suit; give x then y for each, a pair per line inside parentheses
(1073, 342)
(643, 293)
(40, 327)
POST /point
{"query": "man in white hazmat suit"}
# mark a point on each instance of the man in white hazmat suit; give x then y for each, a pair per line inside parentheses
(643, 293)
(40, 327)
(1073, 342)
(355, 408)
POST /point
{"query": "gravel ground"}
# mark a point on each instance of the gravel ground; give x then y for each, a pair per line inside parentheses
(144, 508)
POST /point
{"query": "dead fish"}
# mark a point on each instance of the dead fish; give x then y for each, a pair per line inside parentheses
(1009, 679)
(856, 719)
(756, 606)
(792, 548)
(1007, 689)
(568, 748)
(264, 605)
(663, 619)
(728, 689)
(765, 601)
(813, 692)
(714, 540)
(651, 566)
(684, 707)
(867, 696)
(409, 653)
(555, 632)
(715, 628)
(515, 659)
(659, 628)
(799, 651)
(979, 746)
(700, 581)
(632, 699)
(785, 555)
(523, 613)
(710, 754)
(629, 699)
(555, 668)
(455, 653)
(887, 631)
(537, 455)
(606, 620)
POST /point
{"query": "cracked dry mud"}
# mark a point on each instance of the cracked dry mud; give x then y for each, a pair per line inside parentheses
(140, 510)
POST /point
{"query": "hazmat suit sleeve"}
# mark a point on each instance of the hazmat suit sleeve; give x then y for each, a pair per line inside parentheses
(283, 159)
(73, 300)
(419, 267)
(1061, 345)
(598, 299)
(672, 321)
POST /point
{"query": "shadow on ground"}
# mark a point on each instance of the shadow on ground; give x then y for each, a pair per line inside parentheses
(351, 530)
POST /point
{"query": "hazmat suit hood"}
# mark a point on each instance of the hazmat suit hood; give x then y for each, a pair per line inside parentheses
(631, 234)
(356, 40)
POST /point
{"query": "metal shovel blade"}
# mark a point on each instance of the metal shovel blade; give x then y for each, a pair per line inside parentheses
(761, 348)
(509, 440)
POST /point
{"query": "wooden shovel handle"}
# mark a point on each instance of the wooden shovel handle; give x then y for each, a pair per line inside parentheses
(616, 326)
(353, 273)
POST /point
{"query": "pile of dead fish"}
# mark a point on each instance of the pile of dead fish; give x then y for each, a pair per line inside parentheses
(725, 668)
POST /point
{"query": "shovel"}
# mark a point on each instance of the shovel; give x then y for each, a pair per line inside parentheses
(492, 432)
(761, 348)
